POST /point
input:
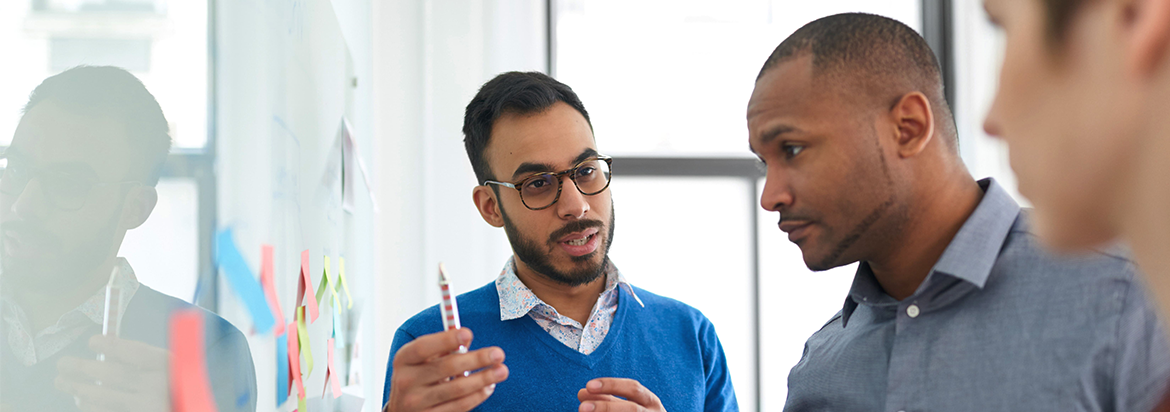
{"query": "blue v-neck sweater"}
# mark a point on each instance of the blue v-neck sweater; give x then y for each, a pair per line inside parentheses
(669, 347)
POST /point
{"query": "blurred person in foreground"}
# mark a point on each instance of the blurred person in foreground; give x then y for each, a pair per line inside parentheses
(576, 334)
(80, 172)
(955, 305)
(1084, 104)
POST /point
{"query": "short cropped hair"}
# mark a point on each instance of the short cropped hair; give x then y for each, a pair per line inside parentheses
(112, 92)
(519, 93)
(875, 55)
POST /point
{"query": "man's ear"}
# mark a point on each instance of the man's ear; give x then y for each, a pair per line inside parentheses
(487, 204)
(914, 121)
(1148, 25)
(140, 202)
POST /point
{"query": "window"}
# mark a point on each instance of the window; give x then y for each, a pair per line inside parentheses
(666, 84)
(978, 54)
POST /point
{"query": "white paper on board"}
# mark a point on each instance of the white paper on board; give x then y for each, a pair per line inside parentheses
(351, 160)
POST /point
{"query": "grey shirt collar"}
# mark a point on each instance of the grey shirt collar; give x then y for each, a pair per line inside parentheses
(969, 257)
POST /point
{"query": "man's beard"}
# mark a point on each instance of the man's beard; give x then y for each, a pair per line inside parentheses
(530, 252)
(56, 271)
(863, 228)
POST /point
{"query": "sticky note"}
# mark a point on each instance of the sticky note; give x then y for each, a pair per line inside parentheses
(305, 291)
(344, 285)
(349, 157)
(243, 282)
(331, 373)
(303, 338)
(326, 285)
(332, 279)
(294, 361)
(322, 288)
(190, 385)
(268, 282)
(281, 368)
(348, 160)
(336, 317)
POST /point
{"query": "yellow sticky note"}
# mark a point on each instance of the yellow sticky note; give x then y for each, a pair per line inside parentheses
(322, 297)
(301, 404)
(344, 286)
(332, 279)
(327, 282)
(303, 338)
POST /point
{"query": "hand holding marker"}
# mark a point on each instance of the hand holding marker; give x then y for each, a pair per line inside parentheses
(449, 308)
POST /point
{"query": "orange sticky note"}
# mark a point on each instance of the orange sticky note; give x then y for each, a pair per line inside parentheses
(294, 361)
(305, 291)
(190, 385)
(331, 373)
(269, 283)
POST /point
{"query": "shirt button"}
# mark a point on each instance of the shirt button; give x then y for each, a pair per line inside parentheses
(912, 310)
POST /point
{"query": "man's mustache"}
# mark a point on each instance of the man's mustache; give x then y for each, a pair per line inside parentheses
(575, 226)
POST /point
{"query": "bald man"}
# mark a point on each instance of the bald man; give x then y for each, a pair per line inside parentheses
(954, 307)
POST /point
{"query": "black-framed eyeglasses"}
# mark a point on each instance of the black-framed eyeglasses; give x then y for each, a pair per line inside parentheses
(591, 176)
(62, 190)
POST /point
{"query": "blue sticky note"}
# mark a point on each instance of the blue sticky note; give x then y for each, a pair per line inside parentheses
(336, 317)
(281, 369)
(231, 262)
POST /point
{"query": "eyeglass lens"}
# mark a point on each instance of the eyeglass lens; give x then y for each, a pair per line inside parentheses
(591, 177)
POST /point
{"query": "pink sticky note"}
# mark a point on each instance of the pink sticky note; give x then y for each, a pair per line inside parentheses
(331, 375)
(190, 385)
(294, 361)
(268, 282)
(306, 289)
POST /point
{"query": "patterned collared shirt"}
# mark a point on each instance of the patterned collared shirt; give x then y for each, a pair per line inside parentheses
(517, 300)
(31, 347)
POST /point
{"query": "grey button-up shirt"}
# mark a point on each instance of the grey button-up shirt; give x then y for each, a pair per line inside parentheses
(998, 325)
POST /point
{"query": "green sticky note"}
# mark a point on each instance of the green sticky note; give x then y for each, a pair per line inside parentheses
(303, 338)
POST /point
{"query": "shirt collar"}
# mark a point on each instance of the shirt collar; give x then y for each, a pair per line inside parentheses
(93, 307)
(124, 282)
(516, 299)
(32, 345)
(969, 257)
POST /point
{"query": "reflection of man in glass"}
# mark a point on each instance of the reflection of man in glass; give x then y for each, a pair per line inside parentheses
(80, 172)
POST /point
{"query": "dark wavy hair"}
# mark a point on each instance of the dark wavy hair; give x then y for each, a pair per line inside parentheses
(510, 93)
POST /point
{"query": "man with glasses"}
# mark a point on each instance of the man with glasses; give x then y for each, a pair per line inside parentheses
(79, 332)
(576, 334)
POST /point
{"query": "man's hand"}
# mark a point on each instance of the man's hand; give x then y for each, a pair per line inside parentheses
(602, 395)
(423, 369)
(132, 378)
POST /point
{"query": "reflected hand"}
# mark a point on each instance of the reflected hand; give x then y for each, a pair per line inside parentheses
(133, 377)
(606, 395)
(423, 368)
